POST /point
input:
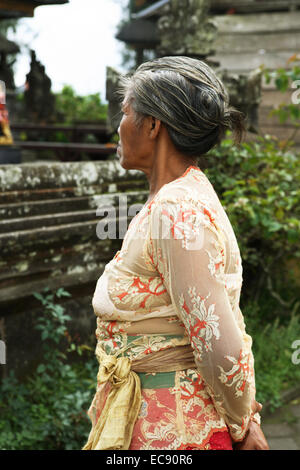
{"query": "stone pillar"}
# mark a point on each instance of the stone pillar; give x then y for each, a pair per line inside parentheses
(186, 29)
(114, 100)
(245, 94)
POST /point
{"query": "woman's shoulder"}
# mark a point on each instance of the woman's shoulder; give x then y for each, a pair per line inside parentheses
(188, 201)
(192, 188)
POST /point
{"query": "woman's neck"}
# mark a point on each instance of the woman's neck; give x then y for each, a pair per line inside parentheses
(165, 164)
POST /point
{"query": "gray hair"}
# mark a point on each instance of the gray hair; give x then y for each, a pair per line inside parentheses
(186, 95)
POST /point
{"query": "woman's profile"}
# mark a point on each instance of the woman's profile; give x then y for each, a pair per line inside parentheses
(176, 369)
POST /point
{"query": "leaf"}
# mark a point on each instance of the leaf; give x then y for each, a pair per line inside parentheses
(294, 111)
(61, 292)
(39, 297)
(44, 335)
(282, 82)
(41, 368)
(274, 226)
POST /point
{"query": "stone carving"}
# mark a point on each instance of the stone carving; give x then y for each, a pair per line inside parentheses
(113, 98)
(185, 29)
(39, 101)
(6, 71)
(245, 93)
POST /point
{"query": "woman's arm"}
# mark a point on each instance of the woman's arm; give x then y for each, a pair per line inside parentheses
(186, 249)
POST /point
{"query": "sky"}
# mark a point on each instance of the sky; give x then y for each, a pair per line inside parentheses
(75, 42)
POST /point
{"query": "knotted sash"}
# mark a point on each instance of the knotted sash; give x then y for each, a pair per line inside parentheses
(121, 402)
(114, 427)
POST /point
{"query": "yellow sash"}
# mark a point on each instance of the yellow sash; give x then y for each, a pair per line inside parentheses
(122, 406)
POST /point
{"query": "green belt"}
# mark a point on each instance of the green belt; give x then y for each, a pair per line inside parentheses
(159, 379)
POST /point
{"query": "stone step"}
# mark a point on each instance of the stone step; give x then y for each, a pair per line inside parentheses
(11, 197)
(60, 175)
(23, 289)
(253, 42)
(46, 220)
(15, 210)
(258, 25)
(57, 207)
(37, 238)
(60, 219)
(244, 62)
(63, 257)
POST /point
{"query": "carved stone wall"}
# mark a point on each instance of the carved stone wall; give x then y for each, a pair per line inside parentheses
(113, 98)
(48, 238)
(245, 94)
(185, 29)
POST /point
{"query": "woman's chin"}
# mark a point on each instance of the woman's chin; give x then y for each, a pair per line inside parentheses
(124, 164)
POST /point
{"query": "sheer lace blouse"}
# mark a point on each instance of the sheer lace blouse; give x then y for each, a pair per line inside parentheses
(179, 269)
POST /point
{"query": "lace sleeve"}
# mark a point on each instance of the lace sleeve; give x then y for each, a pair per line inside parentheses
(186, 248)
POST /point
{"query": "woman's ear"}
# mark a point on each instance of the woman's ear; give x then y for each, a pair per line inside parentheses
(154, 127)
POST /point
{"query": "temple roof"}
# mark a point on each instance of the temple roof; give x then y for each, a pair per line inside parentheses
(139, 32)
(23, 8)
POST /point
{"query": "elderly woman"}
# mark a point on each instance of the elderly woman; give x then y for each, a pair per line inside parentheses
(176, 368)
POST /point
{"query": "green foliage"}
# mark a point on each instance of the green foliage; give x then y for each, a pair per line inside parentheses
(258, 184)
(274, 369)
(48, 410)
(285, 79)
(71, 108)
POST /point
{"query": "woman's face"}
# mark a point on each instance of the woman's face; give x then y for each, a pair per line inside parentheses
(133, 147)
